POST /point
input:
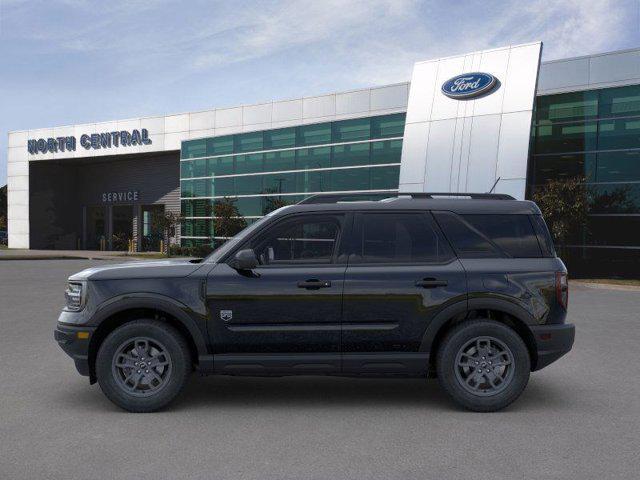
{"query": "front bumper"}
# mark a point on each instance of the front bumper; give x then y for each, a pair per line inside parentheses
(75, 343)
(552, 342)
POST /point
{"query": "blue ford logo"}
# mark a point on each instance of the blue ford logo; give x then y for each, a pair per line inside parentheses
(468, 85)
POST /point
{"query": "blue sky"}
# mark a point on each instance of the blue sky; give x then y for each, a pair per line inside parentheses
(73, 61)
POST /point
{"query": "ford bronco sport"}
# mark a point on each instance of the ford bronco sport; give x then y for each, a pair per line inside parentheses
(463, 287)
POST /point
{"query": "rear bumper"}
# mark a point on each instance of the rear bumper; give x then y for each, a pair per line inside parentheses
(74, 346)
(552, 342)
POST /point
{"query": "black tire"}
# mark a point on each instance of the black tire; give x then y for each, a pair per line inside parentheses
(168, 351)
(462, 382)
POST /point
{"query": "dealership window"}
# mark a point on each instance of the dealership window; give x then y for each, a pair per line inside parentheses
(597, 138)
(239, 165)
(388, 126)
(319, 157)
(388, 151)
(313, 134)
(352, 130)
(280, 138)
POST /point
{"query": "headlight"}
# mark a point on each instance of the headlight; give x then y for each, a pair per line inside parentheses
(74, 295)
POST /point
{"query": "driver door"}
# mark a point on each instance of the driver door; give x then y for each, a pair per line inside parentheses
(284, 316)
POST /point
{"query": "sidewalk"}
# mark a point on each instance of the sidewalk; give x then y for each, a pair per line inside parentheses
(23, 254)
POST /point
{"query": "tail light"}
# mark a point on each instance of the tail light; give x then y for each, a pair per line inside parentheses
(562, 289)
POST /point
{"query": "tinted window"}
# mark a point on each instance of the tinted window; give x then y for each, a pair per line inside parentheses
(468, 242)
(310, 239)
(512, 233)
(544, 238)
(399, 238)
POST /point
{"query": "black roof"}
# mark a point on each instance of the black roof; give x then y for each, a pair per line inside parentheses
(464, 204)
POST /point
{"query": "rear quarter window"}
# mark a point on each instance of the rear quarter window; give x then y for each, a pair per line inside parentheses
(490, 235)
(514, 234)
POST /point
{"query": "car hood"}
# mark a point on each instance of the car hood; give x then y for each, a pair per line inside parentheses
(133, 270)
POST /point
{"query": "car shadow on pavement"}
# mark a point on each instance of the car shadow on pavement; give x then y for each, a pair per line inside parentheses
(319, 392)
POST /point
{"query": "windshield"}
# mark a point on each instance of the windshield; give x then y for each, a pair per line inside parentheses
(230, 244)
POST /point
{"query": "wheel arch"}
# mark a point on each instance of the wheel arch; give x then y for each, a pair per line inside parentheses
(497, 309)
(122, 310)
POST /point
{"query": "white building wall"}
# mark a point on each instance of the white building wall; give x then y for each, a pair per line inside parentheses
(453, 145)
(167, 133)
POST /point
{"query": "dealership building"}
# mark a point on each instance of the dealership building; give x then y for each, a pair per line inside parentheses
(495, 120)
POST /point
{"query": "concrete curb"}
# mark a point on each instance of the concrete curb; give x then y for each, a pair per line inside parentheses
(606, 286)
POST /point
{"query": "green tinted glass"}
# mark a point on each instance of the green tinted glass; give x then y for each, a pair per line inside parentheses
(621, 133)
(618, 166)
(313, 181)
(573, 137)
(274, 161)
(194, 148)
(249, 163)
(349, 179)
(220, 145)
(186, 188)
(193, 168)
(385, 178)
(388, 151)
(619, 102)
(388, 126)
(347, 155)
(313, 134)
(248, 142)
(279, 183)
(352, 130)
(249, 185)
(554, 167)
(566, 107)
(280, 138)
(319, 157)
(223, 187)
(250, 206)
(221, 166)
(196, 208)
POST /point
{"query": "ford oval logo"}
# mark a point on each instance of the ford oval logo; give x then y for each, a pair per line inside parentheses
(469, 85)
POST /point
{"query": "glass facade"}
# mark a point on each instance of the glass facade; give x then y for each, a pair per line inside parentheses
(268, 169)
(594, 135)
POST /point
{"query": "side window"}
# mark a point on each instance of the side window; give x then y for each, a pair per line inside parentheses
(399, 238)
(512, 233)
(467, 241)
(302, 240)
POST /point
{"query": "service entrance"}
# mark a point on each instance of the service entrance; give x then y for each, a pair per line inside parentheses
(121, 227)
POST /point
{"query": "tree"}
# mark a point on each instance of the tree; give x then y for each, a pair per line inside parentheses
(228, 221)
(166, 222)
(564, 205)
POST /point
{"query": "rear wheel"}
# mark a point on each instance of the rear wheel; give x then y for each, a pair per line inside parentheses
(483, 365)
(143, 365)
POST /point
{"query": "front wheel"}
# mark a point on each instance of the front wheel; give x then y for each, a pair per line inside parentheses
(143, 365)
(483, 365)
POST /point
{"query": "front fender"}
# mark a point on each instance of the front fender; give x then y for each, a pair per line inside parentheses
(183, 314)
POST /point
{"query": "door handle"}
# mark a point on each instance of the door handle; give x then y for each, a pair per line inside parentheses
(431, 283)
(314, 284)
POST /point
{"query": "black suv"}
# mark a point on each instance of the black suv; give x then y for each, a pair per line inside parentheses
(465, 287)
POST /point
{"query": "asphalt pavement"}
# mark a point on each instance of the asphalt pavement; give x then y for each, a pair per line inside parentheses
(577, 419)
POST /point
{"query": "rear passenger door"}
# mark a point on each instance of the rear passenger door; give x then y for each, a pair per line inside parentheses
(401, 273)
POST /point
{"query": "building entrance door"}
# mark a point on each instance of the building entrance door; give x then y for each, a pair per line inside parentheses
(151, 231)
(121, 227)
(96, 227)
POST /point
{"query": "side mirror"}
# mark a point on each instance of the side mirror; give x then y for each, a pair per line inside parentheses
(244, 260)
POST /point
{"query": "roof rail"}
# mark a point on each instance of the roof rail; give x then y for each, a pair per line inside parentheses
(338, 197)
(474, 196)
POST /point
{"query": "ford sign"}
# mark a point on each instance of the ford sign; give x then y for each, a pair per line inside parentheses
(468, 85)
